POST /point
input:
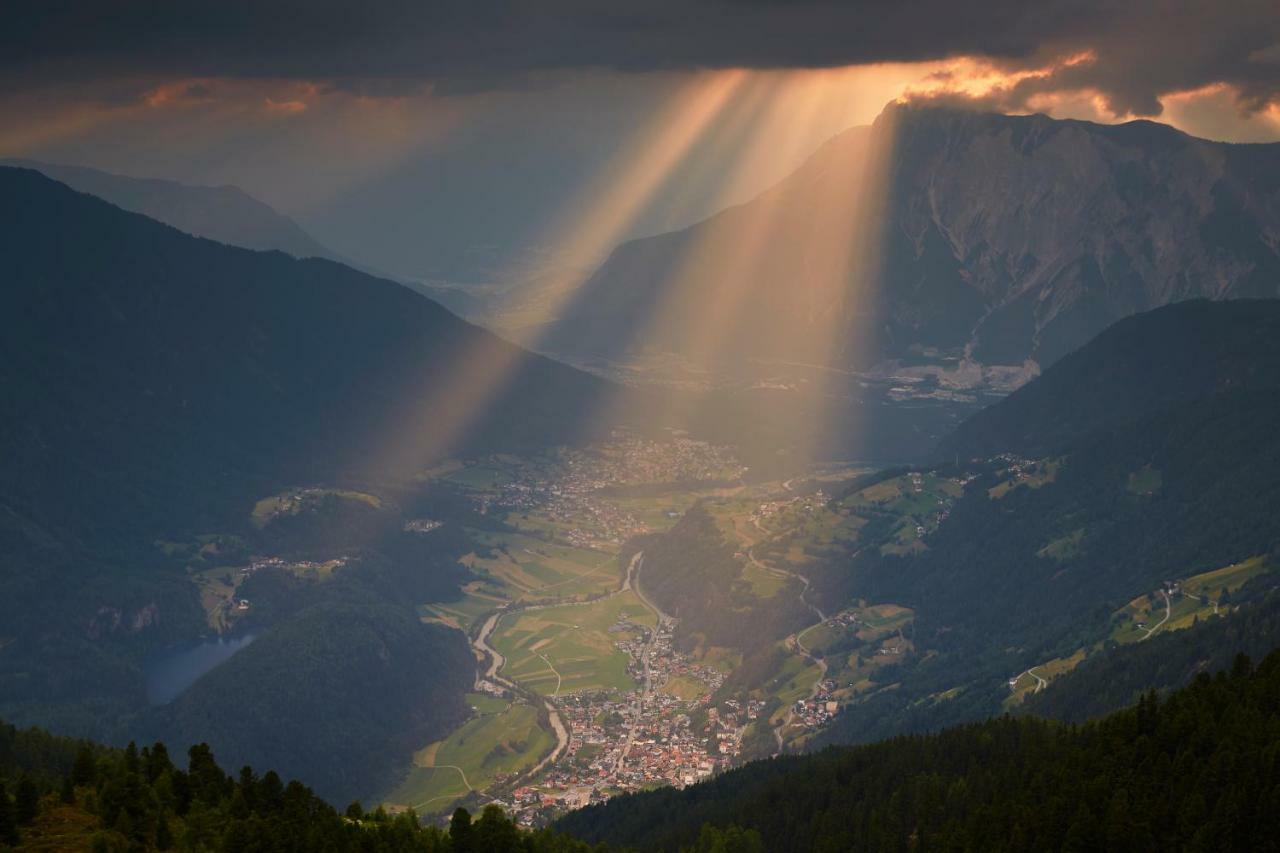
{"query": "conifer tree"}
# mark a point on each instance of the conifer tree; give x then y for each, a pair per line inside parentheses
(26, 801)
(8, 822)
(84, 771)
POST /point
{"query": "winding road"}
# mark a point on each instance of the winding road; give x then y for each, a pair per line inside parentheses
(1168, 611)
(795, 639)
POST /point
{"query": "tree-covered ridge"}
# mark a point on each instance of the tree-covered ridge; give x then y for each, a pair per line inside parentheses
(1141, 366)
(1030, 567)
(693, 573)
(1114, 680)
(1199, 770)
(63, 794)
(155, 386)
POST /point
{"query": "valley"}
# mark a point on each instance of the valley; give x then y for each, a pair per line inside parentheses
(591, 680)
(584, 686)
(639, 427)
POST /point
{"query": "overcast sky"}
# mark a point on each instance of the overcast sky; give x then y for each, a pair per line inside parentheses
(374, 123)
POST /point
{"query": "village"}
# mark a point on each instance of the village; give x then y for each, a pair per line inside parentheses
(576, 496)
(643, 738)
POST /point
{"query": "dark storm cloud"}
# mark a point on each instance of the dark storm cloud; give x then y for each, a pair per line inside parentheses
(1141, 48)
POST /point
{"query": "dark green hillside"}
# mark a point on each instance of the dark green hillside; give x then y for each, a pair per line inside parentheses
(360, 679)
(1112, 681)
(1198, 771)
(987, 568)
(692, 573)
(169, 377)
(1137, 368)
(1161, 480)
(157, 386)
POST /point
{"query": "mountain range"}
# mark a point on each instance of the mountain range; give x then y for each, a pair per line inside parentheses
(226, 214)
(984, 240)
(177, 407)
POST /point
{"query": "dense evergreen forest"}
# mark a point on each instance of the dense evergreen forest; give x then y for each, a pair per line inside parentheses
(1198, 770)
(1146, 363)
(63, 794)
(692, 573)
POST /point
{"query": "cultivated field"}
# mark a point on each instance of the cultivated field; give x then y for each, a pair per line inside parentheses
(503, 738)
(570, 647)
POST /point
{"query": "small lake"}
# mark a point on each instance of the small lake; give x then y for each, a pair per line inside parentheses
(176, 670)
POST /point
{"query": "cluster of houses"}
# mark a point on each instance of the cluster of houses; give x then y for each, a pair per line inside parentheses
(819, 709)
(572, 498)
(422, 525)
(629, 741)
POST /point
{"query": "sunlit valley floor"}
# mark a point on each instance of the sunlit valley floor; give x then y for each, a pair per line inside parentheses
(599, 669)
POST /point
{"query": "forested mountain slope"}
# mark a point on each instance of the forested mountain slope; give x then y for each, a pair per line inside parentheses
(1136, 369)
(157, 387)
(1159, 480)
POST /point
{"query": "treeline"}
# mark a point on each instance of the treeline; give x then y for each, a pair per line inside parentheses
(1197, 771)
(58, 793)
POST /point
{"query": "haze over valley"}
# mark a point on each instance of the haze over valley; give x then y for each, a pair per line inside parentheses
(620, 430)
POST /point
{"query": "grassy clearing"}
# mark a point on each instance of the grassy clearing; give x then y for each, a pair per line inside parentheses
(908, 538)
(570, 645)
(1145, 481)
(881, 620)
(763, 582)
(659, 512)
(1198, 598)
(478, 598)
(684, 687)
(296, 500)
(1026, 683)
(1063, 548)
(216, 587)
(791, 683)
(503, 738)
(720, 657)
(481, 478)
(1130, 623)
(1230, 577)
(1033, 476)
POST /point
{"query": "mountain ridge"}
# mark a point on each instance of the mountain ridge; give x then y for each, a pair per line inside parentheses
(158, 385)
(1143, 215)
(224, 213)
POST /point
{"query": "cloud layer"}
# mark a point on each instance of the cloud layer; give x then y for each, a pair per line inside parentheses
(1127, 54)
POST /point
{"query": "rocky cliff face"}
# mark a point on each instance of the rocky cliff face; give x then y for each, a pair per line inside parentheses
(971, 238)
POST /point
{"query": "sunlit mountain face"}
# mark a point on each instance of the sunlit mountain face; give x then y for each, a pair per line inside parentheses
(495, 409)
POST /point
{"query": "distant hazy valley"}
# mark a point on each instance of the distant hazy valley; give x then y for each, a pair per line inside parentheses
(1032, 472)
